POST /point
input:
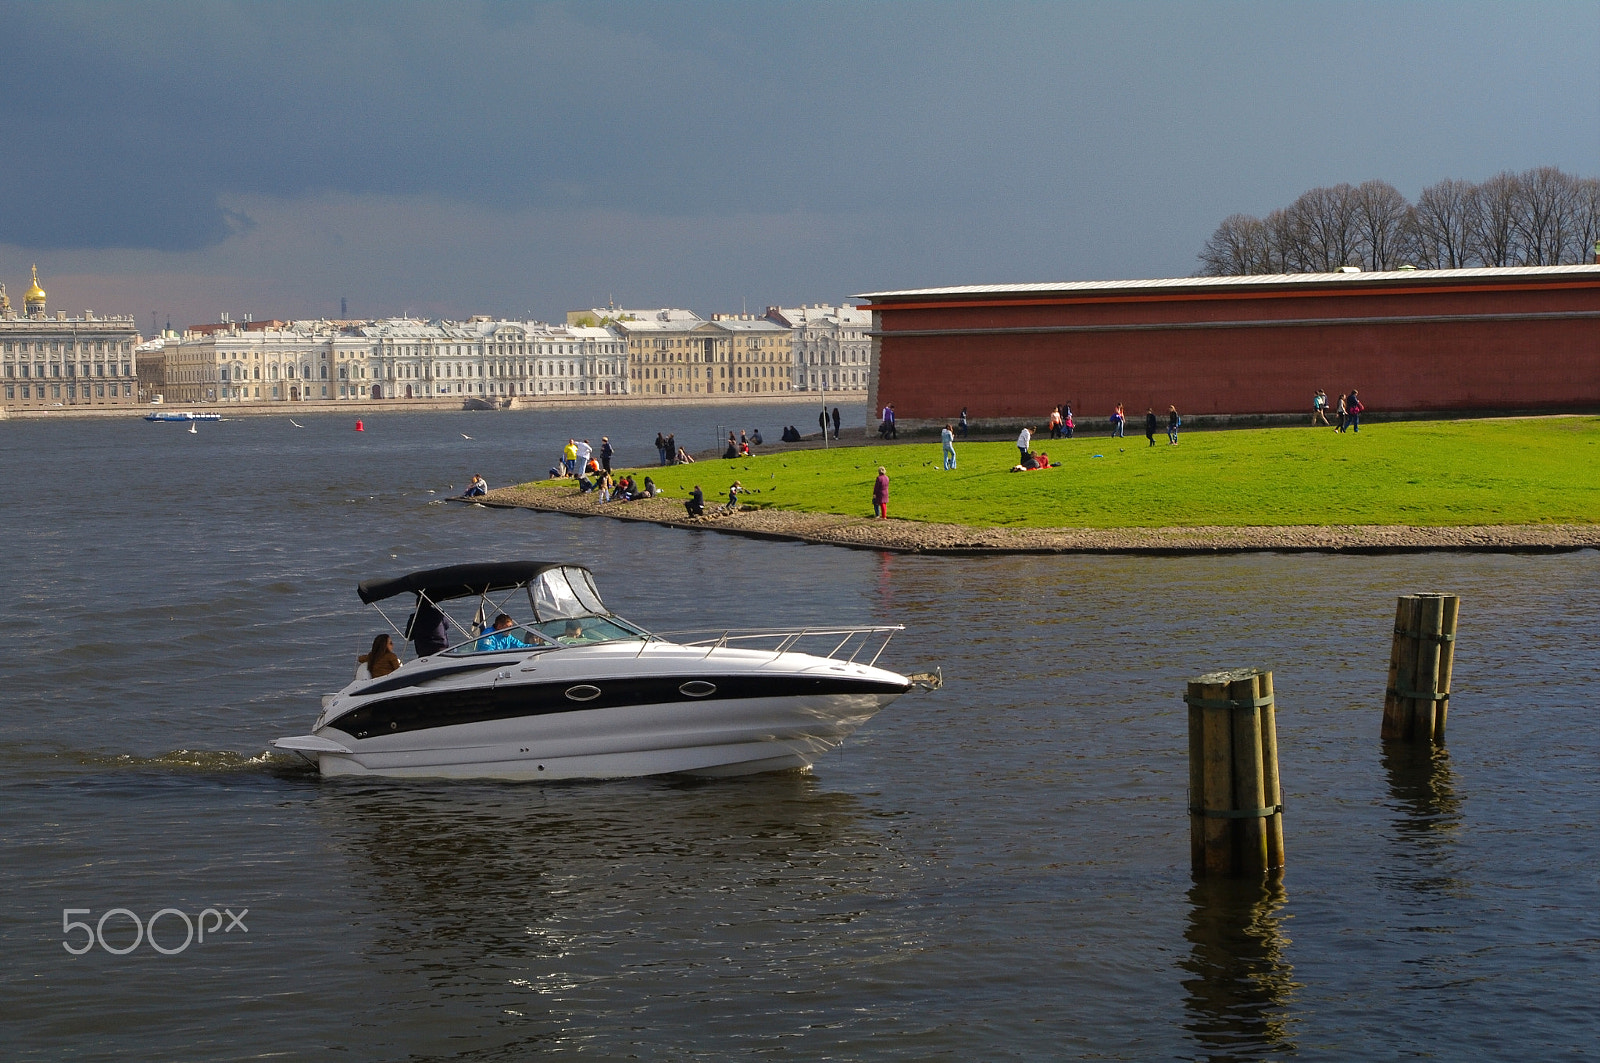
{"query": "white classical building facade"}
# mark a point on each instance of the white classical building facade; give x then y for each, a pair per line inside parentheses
(62, 361)
(393, 359)
(832, 348)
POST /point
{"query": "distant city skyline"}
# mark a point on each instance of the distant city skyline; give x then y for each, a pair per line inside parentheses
(523, 160)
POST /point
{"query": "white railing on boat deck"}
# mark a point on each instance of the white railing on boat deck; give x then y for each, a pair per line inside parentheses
(854, 639)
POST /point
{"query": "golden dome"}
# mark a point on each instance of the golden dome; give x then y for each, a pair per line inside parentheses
(35, 294)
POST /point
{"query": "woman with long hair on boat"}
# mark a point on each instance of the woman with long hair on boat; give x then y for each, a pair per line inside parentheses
(380, 662)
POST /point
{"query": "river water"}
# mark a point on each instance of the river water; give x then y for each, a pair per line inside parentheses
(995, 871)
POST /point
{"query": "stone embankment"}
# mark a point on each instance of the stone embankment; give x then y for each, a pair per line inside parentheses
(918, 537)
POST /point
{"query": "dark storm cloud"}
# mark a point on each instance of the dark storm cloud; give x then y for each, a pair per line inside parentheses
(483, 156)
(139, 117)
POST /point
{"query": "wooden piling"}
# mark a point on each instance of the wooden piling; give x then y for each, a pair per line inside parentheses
(1235, 796)
(1416, 702)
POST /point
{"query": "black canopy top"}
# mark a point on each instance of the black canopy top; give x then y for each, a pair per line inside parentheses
(459, 581)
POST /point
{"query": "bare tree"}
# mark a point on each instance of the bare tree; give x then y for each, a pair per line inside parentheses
(1494, 230)
(1331, 236)
(1285, 243)
(1441, 225)
(1586, 196)
(1238, 247)
(1539, 217)
(1543, 216)
(1380, 216)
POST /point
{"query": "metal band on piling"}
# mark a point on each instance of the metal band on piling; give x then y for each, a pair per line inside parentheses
(1236, 813)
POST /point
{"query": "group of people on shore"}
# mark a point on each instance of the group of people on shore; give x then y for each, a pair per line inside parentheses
(579, 459)
(695, 504)
(741, 449)
(1348, 410)
(669, 453)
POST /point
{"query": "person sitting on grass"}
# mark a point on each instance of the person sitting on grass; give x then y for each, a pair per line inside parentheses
(650, 488)
(684, 457)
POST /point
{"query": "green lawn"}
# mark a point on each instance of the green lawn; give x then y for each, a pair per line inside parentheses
(1429, 473)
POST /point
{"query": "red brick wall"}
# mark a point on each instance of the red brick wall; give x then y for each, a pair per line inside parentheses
(1428, 365)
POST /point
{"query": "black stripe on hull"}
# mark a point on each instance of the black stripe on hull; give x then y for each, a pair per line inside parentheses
(451, 708)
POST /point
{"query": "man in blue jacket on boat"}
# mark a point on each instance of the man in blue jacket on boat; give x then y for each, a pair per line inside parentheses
(502, 637)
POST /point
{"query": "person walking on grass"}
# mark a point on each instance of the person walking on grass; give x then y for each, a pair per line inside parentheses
(1024, 441)
(1319, 408)
(880, 495)
(1173, 423)
(1150, 424)
(947, 439)
(1344, 414)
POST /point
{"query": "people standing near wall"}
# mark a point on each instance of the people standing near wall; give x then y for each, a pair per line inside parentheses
(947, 439)
(1024, 441)
(1344, 414)
(1055, 423)
(1067, 424)
(1150, 424)
(880, 494)
(1173, 423)
(1354, 408)
(1119, 421)
(961, 425)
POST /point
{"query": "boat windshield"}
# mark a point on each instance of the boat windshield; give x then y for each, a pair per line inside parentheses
(565, 593)
(567, 612)
(579, 631)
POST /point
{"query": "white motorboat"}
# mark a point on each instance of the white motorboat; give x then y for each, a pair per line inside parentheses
(576, 692)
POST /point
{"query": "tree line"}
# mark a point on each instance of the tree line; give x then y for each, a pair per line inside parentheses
(1541, 217)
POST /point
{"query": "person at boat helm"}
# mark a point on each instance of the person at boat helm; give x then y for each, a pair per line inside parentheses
(573, 632)
(502, 637)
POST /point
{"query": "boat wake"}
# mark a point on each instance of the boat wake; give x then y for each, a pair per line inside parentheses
(176, 761)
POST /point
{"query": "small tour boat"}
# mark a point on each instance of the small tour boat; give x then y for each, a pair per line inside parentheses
(573, 691)
(183, 416)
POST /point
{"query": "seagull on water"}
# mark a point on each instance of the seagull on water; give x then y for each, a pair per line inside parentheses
(295, 423)
(465, 436)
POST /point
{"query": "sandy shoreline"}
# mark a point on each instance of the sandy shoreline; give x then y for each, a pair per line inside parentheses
(906, 536)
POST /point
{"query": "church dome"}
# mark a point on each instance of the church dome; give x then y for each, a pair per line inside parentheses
(35, 294)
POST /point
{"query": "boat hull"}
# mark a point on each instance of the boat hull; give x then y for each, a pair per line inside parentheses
(606, 712)
(730, 737)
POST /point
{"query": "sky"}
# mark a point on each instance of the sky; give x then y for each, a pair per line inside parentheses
(186, 160)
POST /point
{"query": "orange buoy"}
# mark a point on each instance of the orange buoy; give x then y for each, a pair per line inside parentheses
(359, 428)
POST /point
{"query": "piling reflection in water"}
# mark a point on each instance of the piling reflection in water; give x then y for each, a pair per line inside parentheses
(1240, 981)
(1422, 786)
